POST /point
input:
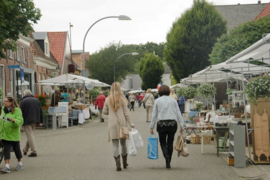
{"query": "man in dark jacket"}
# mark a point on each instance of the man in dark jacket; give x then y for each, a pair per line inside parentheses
(32, 115)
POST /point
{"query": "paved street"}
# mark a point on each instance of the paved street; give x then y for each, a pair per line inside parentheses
(83, 152)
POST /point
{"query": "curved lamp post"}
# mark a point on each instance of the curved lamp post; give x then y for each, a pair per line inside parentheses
(120, 17)
(133, 54)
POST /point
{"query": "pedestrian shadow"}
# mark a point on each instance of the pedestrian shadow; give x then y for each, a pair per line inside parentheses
(173, 168)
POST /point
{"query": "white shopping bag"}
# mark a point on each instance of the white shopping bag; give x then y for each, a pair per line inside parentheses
(138, 141)
(135, 141)
(132, 150)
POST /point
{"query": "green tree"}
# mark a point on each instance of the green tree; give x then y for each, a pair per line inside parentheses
(239, 39)
(152, 70)
(101, 64)
(16, 18)
(191, 39)
(149, 47)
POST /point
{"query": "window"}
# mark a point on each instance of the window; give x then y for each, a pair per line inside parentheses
(10, 54)
(39, 87)
(23, 55)
(17, 55)
(2, 80)
(11, 81)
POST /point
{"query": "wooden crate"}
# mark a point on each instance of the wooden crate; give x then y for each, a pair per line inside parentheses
(230, 161)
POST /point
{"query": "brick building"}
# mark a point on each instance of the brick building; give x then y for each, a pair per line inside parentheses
(35, 64)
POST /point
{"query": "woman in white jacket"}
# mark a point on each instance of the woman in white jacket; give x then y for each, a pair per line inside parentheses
(149, 103)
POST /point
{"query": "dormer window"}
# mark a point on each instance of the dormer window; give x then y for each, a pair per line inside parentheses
(46, 48)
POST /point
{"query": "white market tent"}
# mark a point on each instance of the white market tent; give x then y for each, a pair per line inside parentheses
(223, 72)
(235, 66)
(179, 85)
(258, 51)
(136, 91)
(72, 79)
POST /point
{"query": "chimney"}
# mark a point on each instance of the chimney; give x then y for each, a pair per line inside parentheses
(259, 2)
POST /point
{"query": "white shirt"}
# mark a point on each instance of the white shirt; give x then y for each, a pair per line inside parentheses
(166, 108)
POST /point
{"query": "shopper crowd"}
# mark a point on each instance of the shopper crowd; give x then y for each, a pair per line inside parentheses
(163, 109)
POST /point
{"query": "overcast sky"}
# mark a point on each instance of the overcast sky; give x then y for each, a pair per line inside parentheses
(151, 19)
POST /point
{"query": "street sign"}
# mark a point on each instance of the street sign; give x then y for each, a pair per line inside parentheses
(22, 75)
(54, 74)
(13, 66)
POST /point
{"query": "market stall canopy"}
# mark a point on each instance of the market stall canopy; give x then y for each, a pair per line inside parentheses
(221, 72)
(154, 90)
(258, 51)
(123, 89)
(72, 79)
(179, 85)
(136, 91)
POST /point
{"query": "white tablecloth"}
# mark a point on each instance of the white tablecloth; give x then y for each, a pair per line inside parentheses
(81, 118)
(190, 104)
(86, 113)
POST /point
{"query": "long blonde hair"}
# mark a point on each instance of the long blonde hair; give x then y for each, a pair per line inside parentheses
(116, 97)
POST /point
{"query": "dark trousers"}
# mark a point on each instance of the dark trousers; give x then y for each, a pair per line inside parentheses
(182, 107)
(166, 132)
(132, 105)
(16, 148)
(139, 103)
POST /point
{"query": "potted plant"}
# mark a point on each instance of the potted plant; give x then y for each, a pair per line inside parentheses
(181, 91)
(199, 106)
(93, 93)
(258, 88)
(206, 90)
(190, 92)
(106, 92)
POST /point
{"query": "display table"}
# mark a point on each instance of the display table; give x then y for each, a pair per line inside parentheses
(222, 118)
(219, 130)
(196, 129)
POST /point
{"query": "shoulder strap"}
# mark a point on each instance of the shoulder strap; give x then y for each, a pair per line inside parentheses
(118, 120)
(147, 98)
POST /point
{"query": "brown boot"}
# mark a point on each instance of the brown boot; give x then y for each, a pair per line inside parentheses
(124, 158)
(118, 164)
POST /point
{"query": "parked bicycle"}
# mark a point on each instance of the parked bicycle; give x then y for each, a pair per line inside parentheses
(1, 143)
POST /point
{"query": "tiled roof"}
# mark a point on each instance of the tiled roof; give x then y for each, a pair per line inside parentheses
(236, 15)
(57, 45)
(265, 12)
(37, 51)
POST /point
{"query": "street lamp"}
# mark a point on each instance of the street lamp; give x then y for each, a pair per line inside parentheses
(133, 54)
(120, 17)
